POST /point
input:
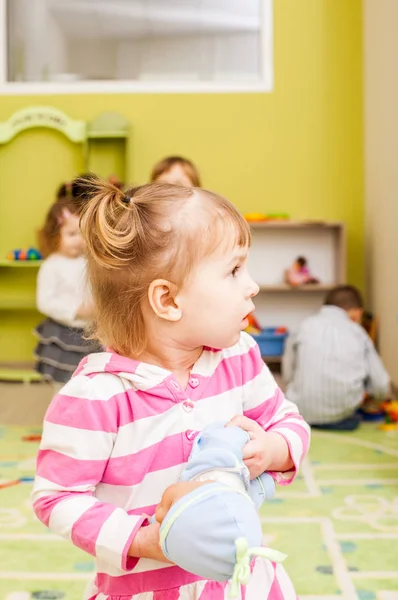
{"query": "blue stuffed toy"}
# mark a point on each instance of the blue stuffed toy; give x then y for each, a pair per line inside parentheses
(215, 530)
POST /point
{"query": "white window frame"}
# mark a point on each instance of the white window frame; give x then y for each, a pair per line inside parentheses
(265, 84)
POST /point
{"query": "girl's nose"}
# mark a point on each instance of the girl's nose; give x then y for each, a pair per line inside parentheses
(254, 289)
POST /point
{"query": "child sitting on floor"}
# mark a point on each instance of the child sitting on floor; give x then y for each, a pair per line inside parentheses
(331, 362)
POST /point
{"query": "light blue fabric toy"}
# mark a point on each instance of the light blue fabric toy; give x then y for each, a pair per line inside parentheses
(215, 530)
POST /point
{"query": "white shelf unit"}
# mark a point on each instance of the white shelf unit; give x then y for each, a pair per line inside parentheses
(275, 246)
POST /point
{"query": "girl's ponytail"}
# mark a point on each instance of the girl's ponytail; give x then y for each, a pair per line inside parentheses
(110, 221)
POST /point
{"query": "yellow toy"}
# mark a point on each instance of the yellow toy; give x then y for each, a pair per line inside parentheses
(259, 217)
(253, 217)
(391, 409)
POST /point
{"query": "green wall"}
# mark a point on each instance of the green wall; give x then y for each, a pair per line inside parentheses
(298, 149)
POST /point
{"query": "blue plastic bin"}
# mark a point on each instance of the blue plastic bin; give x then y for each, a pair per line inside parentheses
(270, 342)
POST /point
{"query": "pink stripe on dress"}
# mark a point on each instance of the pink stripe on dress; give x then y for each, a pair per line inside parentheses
(213, 590)
(150, 403)
(125, 471)
(275, 591)
(129, 470)
(172, 594)
(108, 415)
(282, 587)
(99, 415)
(299, 429)
(232, 372)
(120, 364)
(44, 506)
(143, 510)
(81, 366)
(87, 527)
(265, 412)
(147, 581)
(69, 472)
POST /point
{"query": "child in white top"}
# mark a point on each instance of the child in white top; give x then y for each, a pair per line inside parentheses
(62, 295)
(168, 272)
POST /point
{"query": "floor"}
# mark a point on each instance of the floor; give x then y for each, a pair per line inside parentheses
(338, 522)
(24, 403)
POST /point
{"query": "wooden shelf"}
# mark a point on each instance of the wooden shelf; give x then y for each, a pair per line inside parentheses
(108, 135)
(18, 299)
(285, 224)
(20, 263)
(301, 289)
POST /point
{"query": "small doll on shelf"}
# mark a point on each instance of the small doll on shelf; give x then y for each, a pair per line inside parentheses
(299, 273)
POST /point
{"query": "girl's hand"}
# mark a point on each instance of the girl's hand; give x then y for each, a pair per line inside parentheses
(172, 494)
(266, 450)
(255, 454)
(146, 543)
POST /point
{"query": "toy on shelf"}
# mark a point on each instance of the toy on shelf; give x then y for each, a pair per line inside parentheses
(299, 273)
(24, 254)
(277, 217)
(390, 408)
(256, 217)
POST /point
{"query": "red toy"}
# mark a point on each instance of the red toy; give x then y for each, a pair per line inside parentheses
(24, 254)
(254, 326)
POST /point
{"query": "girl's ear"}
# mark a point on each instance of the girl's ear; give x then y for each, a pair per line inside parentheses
(163, 301)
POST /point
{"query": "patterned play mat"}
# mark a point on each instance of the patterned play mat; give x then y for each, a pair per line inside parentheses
(338, 523)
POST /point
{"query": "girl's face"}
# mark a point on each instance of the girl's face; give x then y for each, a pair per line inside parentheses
(176, 175)
(217, 300)
(71, 242)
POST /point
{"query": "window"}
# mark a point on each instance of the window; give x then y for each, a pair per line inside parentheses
(143, 45)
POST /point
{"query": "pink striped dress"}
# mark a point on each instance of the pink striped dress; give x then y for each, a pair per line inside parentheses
(119, 432)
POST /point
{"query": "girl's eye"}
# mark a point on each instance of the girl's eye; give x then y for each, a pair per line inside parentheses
(235, 270)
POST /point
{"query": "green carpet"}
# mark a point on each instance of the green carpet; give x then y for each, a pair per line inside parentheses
(338, 523)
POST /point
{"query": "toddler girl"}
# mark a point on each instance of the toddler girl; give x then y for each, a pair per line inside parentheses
(61, 295)
(168, 270)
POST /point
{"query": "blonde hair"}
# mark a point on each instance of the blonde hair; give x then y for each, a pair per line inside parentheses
(156, 231)
(164, 166)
